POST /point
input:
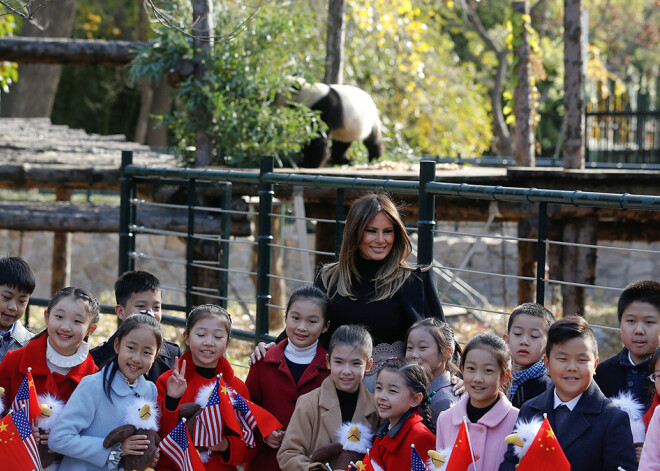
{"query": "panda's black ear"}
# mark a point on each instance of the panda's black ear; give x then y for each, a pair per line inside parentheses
(296, 86)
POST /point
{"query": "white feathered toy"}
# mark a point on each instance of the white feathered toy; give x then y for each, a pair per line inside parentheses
(523, 435)
(627, 403)
(51, 410)
(141, 419)
(353, 439)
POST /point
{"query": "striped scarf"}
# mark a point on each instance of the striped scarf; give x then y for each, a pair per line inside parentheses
(519, 377)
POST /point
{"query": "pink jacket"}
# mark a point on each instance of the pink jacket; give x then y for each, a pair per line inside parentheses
(650, 460)
(486, 436)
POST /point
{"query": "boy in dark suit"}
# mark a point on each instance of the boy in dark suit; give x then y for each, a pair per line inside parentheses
(527, 336)
(593, 433)
(138, 291)
(639, 317)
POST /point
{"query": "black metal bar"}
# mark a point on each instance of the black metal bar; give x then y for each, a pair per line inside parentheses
(223, 281)
(190, 244)
(426, 214)
(540, 253)
(339, 222)
(125, 212)
(264, 240)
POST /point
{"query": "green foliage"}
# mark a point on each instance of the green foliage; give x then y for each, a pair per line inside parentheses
(8, 70)
(234, 100)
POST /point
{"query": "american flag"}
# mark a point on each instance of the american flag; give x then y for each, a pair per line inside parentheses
(245, 417)
(416, 463)
(25, 431)
(351, 467)
(26, 397)
(177, 446)
(208, 428)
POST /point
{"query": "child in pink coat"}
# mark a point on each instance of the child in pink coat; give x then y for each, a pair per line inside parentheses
(650, 460)
(486, 367)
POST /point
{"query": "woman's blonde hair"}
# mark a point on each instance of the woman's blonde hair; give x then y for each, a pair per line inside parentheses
(337, 277)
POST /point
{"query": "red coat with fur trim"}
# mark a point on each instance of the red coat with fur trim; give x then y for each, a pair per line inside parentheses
(272, 387)
(393, 453)
(15, 364)
(238, 453)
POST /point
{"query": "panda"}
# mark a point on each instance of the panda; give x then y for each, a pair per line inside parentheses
(349, 112)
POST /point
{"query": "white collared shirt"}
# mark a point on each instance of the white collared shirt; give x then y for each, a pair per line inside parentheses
(570, 404)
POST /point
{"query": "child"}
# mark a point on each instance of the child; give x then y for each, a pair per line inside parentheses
(593, 433)
(294, 367)
(98, 405)
(16, 285)
(527, 337)
(58, 356)
(431, 341)
(654, 376)
(342, 397)
(139, 291)
(207, 335)
(650, 460)
(639, 317)
(486, 367)
(400, 391)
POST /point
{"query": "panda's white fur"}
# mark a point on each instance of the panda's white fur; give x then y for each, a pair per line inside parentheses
(55, 405)
(359, 112)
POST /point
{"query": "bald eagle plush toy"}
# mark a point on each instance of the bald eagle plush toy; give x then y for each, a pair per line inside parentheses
(353, 441)
(51, 409)
(141, 419)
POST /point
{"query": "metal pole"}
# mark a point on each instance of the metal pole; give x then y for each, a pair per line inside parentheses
(223, 281)
(190, 244)
(426, 216)
(126, 184)
(540, 253)
(339, 222)
(264, 240)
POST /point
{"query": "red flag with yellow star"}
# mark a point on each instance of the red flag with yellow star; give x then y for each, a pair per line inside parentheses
(18, 448)
(461, 455)
(545, 454)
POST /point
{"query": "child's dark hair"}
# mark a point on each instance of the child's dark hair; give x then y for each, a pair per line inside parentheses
(16, 273)
(354, 335)
(534, 310)
(205, 311)
(443, 335)
(77, 294)
(498, 347)
(568, 328)
(645, 291)
(310, 293)
(132, 282)
(417, 377)
(132, 322)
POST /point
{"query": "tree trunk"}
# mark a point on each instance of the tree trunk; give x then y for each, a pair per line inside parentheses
(578, 263)
(527, 228)
(64, 51)
(61, 276)
(523, 140)
(202, 29)
(33, 94)
(334, 62)
(160, 105)
(573, 86)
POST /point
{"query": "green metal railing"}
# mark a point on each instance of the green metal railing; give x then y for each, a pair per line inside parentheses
(426, 188)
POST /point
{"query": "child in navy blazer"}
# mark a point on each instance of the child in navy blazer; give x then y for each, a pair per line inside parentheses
(594, 434)
(293, 367)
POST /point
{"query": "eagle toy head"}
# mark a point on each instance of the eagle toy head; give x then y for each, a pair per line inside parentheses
(355, 436)
(142, 414)
(523, 435)
(627, 403)
(438, 459)
(51, 409)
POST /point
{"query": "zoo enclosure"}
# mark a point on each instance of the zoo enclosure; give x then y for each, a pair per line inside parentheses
(426, 190)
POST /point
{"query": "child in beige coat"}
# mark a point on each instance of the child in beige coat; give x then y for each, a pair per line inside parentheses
(341, 398)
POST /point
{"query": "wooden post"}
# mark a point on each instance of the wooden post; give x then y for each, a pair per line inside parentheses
(202, 32)
(523, 138)
(334, 62)
(578, 263)
(573, 86)
(61, 276)
(526, 260)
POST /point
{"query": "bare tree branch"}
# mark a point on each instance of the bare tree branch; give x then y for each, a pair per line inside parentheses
(162, 17)
(30, 7)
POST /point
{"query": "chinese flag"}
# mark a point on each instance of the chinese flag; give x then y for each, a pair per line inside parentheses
(365, 464)
(229, 418)
(461, 454)
(13, 449)
(545, 454)
(26, 398)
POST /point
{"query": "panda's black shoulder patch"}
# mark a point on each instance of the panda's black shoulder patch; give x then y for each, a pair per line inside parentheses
(331, 109)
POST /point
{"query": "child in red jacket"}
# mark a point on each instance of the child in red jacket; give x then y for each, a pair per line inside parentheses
(207, 336)
(293, 367)
(401, 391)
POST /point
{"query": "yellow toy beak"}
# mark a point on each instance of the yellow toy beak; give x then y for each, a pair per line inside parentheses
(354, 434)
(145, 412)
(2, 390)
(436, 458)
(514, 438)
(45, 410)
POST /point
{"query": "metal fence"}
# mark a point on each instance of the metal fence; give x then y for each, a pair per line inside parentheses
(424, 230)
